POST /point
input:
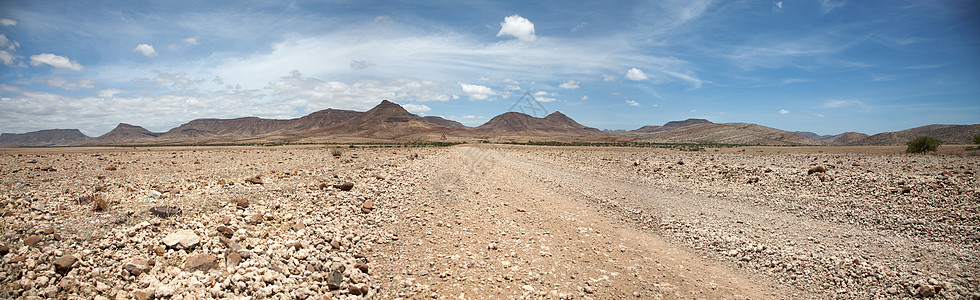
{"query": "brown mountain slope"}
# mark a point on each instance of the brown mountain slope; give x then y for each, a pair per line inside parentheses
(49, 137)
(949, 134)
(124, 134)
(670, 125)
(443, 122)
(847, 138)
(387, 120)
(519, 123)
(728, 133)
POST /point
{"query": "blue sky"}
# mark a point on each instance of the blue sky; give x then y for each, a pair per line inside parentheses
(821, 66)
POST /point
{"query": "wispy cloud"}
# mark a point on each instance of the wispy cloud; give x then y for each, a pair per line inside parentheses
(56, 61)
(145, 49)
(795, 80)
(925, 67)
(632, 103)
(783, 112)
(570, 84)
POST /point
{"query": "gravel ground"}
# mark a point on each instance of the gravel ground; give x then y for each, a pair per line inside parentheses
(491, 221)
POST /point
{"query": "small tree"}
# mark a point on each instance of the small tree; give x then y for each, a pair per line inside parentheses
(923, 144)
(976, 139)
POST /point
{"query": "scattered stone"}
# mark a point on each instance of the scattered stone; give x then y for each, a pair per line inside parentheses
(200, 262)
(4, 250)
(254, 219)
(335, 280)
(367, 206)
(48, 230)
(183, 239)
(232, 258)
(84, 200)
(355, 290)
(752, 180)
(110, 168)
(817, 169)
(100, 204)
(346, 186)
(222, 182)
(31, 241)
(64, 264)
(362, 266)
(48, 169)
(160, 250)
(906, 190)
(299, 226)
(17, 259)
(925, 290)
(137, 266)
(226, 231)
(255, 180)
(241, 203)
(165, 211)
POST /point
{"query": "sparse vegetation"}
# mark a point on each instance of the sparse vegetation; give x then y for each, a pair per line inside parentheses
(923, 144)
(336, 152)
(976, 139)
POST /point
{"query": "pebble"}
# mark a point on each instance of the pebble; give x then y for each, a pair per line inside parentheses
(182, 239)
(200, 262)
(64, 264)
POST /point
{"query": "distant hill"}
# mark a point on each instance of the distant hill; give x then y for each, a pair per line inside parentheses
(443, 122)
(670, 125)
(124, 134)
(389, 121)
(727, 133)
(518, 123)
(49, 137)
(949, 134)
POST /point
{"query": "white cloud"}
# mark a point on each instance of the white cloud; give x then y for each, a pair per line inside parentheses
(585, 98)
(65, 84)
(483, 79)
(828, 6)
(146, 50)
(7, 58)
(842, 103)
(55, 61)
(191, 40)
(570, 84)
(689, 78)
(632, 103)
(795, 80)
(819, 115)
(109, 93)
(778, 4)
(177, 80)
(783, 112)
(518, 27)
(476, 92)
(8, 22)
(540, 93)
(635, 74)
(608, 78)
(360, 64)
(417, 108)
(545, 99)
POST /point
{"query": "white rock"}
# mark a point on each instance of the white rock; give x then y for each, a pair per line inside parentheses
(183, 239)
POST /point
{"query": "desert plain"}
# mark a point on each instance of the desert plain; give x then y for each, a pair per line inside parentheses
(477, 221)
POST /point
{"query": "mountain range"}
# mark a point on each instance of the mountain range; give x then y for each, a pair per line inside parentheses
(389, 121)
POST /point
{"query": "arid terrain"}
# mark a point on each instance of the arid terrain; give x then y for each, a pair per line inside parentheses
(488, 221)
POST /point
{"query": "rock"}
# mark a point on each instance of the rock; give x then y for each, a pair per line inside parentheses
(367, 206)
(295, 245)
(165, 290)
(200, 262)
(183, 239)
(254, 219)
(100, 204)
(63, 264)
(222, 182)
(160, 250)
(241, 203)
(362, 266)
(255, 180)
(925, 290)
(165, 211)
(906, 190)
(4, 250)
(32, 241)
(83, 200)
(137, 266)
(335, 280)
(752, 180)
(346, 186)
(110, 168)
(224, 230)
(17, 259)
(817, 169)
(49, 169)
(356, 290)
(232, 258)
(48, 230)
(299, 226)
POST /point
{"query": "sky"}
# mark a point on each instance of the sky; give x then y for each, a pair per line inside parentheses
(825, 66)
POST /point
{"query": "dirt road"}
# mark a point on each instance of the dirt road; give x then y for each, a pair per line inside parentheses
(512, 222)
(501, 226)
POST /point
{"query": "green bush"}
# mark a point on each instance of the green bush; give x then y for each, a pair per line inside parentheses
(923, 144)
(976, 139)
